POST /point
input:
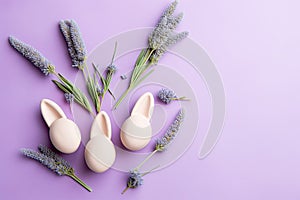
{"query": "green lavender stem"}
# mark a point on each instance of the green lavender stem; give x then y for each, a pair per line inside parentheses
(146, 159)
(125, 190)
(122, 98)
(141, 66)
(79, 181)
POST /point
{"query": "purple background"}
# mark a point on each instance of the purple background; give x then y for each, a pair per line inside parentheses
(255, 46)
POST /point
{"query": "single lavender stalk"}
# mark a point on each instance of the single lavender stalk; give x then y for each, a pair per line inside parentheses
(167, 95)
(164, 142)
(32, 55)
(64, 26)
(53, 162)
(75, 43)
(159, 40)
(135, 177)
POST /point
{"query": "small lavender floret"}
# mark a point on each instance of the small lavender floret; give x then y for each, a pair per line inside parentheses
(69, 97)
(111, 69)
(32, 55)
(166, 95)
(99, 90)
(123, 77)
(135, 179)
(171, 133)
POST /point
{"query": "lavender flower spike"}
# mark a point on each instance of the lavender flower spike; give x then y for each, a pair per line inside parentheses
(33, 55)
(162, 143)
(64, 26)
(77, 41)
(53, 162)
(46, 161)
(76, 47)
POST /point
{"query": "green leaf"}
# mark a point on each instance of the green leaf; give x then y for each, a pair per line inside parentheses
(144, 77)
(111, 93)
(79, 96)
(61, 87)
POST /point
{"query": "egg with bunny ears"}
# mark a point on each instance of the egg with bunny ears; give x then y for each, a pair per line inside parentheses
(136, 130)
(100, 153)
(64, 133)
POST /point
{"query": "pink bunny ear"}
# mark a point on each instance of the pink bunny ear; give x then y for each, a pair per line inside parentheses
(51, 111)
(144, 106)
(101, 125)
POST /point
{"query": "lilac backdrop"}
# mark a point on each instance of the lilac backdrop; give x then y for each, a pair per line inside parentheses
(255, 46)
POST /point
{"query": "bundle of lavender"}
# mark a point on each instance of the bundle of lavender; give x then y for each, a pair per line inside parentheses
(135, 177)
(162, 37)
(54, 162)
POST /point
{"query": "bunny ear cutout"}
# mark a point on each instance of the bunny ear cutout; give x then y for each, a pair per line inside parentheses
(144, 106)
(101, 125)
(51, 111)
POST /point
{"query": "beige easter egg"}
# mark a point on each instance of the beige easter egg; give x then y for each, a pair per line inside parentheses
(100, 153)
(65, 135)
(136, 132)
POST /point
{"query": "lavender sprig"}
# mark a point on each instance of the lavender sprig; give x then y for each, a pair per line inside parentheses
(171, 133)
(38, 60)
(135, 177)
(53, 162)
(32, 55)
(160, 39)
(75, 43)
(167, 95)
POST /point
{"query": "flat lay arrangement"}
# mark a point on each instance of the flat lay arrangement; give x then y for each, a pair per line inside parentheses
(136, 100)
(135, 132)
